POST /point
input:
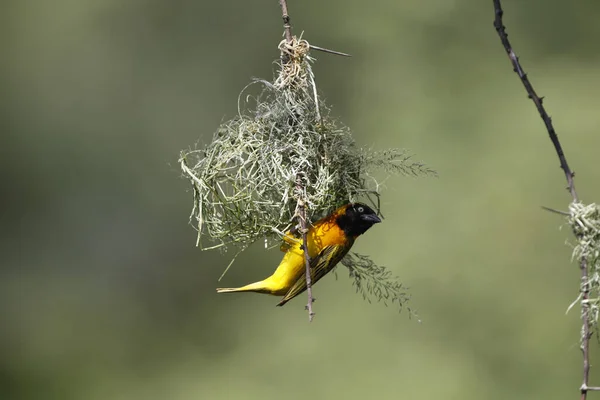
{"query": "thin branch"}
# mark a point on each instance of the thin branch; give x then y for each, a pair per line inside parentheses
(304, 230)
(324, 50)
(569, 175)
(500, 28)
(287, 27)
(585, 343)
(301, 206)
(555, 211)
(591, 388)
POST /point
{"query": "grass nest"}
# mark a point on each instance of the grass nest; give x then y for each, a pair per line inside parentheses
(283, 148)
(584, 219)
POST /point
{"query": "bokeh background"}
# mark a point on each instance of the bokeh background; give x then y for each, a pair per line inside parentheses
(103, 294)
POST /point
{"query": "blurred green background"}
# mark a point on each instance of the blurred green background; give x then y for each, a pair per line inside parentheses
(103, 294)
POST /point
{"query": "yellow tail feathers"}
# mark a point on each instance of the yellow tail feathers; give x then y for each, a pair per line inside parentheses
(229, 290)
(253, 287)
(258, 287)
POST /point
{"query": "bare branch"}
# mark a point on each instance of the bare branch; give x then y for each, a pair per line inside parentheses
(324, 50)
(287, 27)
(585, 342)
(304, 230)
(552, 210)
(500, 28)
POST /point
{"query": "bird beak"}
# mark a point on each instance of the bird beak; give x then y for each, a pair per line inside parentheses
(372, 218)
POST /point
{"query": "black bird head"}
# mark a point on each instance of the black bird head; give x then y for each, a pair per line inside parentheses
(357, 219)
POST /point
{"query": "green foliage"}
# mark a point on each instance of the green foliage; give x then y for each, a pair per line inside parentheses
(375, 282)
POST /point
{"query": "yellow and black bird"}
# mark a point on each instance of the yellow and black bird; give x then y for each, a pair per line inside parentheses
(328, 239)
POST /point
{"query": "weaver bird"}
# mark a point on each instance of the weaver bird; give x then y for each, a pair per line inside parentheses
(328, 240)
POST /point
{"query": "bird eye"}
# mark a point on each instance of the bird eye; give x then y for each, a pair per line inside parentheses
(360, 209)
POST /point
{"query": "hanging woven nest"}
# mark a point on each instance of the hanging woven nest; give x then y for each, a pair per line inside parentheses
(245, 182)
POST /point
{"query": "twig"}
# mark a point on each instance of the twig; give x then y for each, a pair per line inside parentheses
(287, 27)
(324, 50)
(569, 175)
(500, 28)
(555, 211)
(301, 207)
(585, 343)
(301, 212)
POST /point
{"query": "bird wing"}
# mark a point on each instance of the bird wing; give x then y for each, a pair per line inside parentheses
(319, 266)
